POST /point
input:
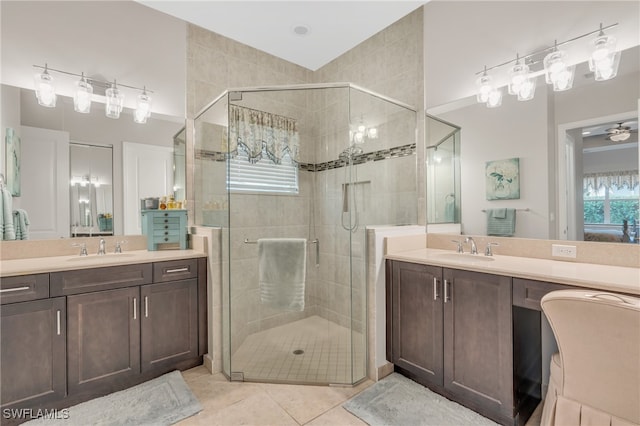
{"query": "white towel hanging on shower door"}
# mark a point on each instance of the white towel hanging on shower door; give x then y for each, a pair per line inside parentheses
(282, 271)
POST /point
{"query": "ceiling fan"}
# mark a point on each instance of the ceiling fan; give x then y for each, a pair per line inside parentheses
(619, 133)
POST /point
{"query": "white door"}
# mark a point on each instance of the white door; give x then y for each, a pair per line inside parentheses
(45, 182)
(147, 171)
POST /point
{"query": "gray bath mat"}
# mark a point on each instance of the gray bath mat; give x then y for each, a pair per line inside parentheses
(162, 401)
(396, 400)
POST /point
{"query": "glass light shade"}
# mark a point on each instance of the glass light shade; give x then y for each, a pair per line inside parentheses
(557, 71)
(604, 59)
(494, 98)
(484, 87)
(518, 74)
(358, 137)
(82, 96)
(372, 133)
(620, 137)
(115, 101)
(527, 89)
(143, 109)
(45, 89)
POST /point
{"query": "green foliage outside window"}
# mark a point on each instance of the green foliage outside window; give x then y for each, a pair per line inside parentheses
(619, 211)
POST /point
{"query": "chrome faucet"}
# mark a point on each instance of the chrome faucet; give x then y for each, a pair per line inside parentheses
(474, 248)
(83, 248)
(459, 248)
(119, 244)
(102, 247)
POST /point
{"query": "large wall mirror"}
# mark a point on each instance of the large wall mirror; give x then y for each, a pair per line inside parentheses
(83, 174)
(575, 182)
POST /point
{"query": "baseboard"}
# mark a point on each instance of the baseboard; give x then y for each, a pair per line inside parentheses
(208, 363)
(384, 370)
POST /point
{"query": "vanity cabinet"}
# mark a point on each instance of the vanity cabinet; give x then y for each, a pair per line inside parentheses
(33, 352)
(103, 345)
(169, 330)
(451, 331)
(116, 335)
(99, 330)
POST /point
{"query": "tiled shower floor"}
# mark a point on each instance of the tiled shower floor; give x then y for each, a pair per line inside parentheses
(326, 359)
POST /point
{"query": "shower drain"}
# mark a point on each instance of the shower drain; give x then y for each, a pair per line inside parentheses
(298, 352)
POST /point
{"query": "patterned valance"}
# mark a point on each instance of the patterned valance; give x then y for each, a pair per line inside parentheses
(627, 178)
(259, 131)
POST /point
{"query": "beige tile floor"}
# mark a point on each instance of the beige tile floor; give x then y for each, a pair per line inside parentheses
(242, 403)
(327, 353)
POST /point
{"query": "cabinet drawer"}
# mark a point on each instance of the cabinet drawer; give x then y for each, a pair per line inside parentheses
(98, 279)
(159, 221)
(175, 270)
(528, 293)
(165, 232)
(166, 239)
(24, 288)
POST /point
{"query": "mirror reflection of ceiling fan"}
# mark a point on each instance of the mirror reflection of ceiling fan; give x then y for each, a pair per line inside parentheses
(619, 133)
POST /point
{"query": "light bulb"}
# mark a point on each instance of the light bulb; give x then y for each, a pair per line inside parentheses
(115, 101)
(494, 98)
(82, 96)
(143, 109)
(484, 86)
(45, 89)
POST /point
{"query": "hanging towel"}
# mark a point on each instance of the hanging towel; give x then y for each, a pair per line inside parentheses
(281, 272)
(501, 222)
(6, 215)
(21, 224)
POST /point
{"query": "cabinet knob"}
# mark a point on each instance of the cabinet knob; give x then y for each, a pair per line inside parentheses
(166, 227)
(166, 214)
(166, 239)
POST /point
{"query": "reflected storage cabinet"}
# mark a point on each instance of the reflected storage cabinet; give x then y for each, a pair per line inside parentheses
(164, 226)
(73, 335)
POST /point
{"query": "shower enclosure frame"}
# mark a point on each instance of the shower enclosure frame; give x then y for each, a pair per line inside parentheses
(226, 223)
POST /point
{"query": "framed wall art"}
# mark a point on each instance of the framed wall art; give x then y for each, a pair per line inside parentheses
(503, 179)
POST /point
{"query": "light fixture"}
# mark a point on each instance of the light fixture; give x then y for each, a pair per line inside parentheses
(619, 137)
(45, 88)
(494, 99)
(484, 87)
(143, 108)
(363, 132)
(557, 70)
(115, 101)
(82, 96)
(604, 59)
(521, 83)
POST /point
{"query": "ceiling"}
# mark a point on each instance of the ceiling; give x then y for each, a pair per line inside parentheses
(332, 27)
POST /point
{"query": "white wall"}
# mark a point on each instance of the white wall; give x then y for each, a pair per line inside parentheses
(517, 129)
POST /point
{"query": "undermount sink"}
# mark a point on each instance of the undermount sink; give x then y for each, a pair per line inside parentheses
(465, 257)
(110, 256)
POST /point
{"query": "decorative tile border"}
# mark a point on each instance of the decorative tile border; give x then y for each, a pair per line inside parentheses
(395, 152)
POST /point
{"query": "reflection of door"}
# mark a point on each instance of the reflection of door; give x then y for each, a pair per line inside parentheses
(147, 172)
(45, 182)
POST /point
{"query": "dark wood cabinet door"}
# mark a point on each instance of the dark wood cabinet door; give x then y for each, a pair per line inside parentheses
(103, 344)
(478, 362)
(417, 321)
(169, 324)
(33, 353)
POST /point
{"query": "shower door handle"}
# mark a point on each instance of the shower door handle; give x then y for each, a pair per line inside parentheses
(317, 243)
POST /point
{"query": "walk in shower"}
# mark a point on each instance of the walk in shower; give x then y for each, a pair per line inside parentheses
(316, 165)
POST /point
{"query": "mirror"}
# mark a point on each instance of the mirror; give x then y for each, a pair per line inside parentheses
(91, 190)
(62, 149)
(536, 132)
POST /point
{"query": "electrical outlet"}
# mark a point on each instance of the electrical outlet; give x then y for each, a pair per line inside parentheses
(559, 250)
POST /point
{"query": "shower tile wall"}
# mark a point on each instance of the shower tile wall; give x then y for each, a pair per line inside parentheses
(382, 64)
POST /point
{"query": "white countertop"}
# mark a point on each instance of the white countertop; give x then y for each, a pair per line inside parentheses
(66, 263)
(602, 277)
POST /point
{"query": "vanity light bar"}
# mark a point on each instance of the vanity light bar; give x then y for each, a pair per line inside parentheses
(45, 92)
(527, 58)
(559, 71)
